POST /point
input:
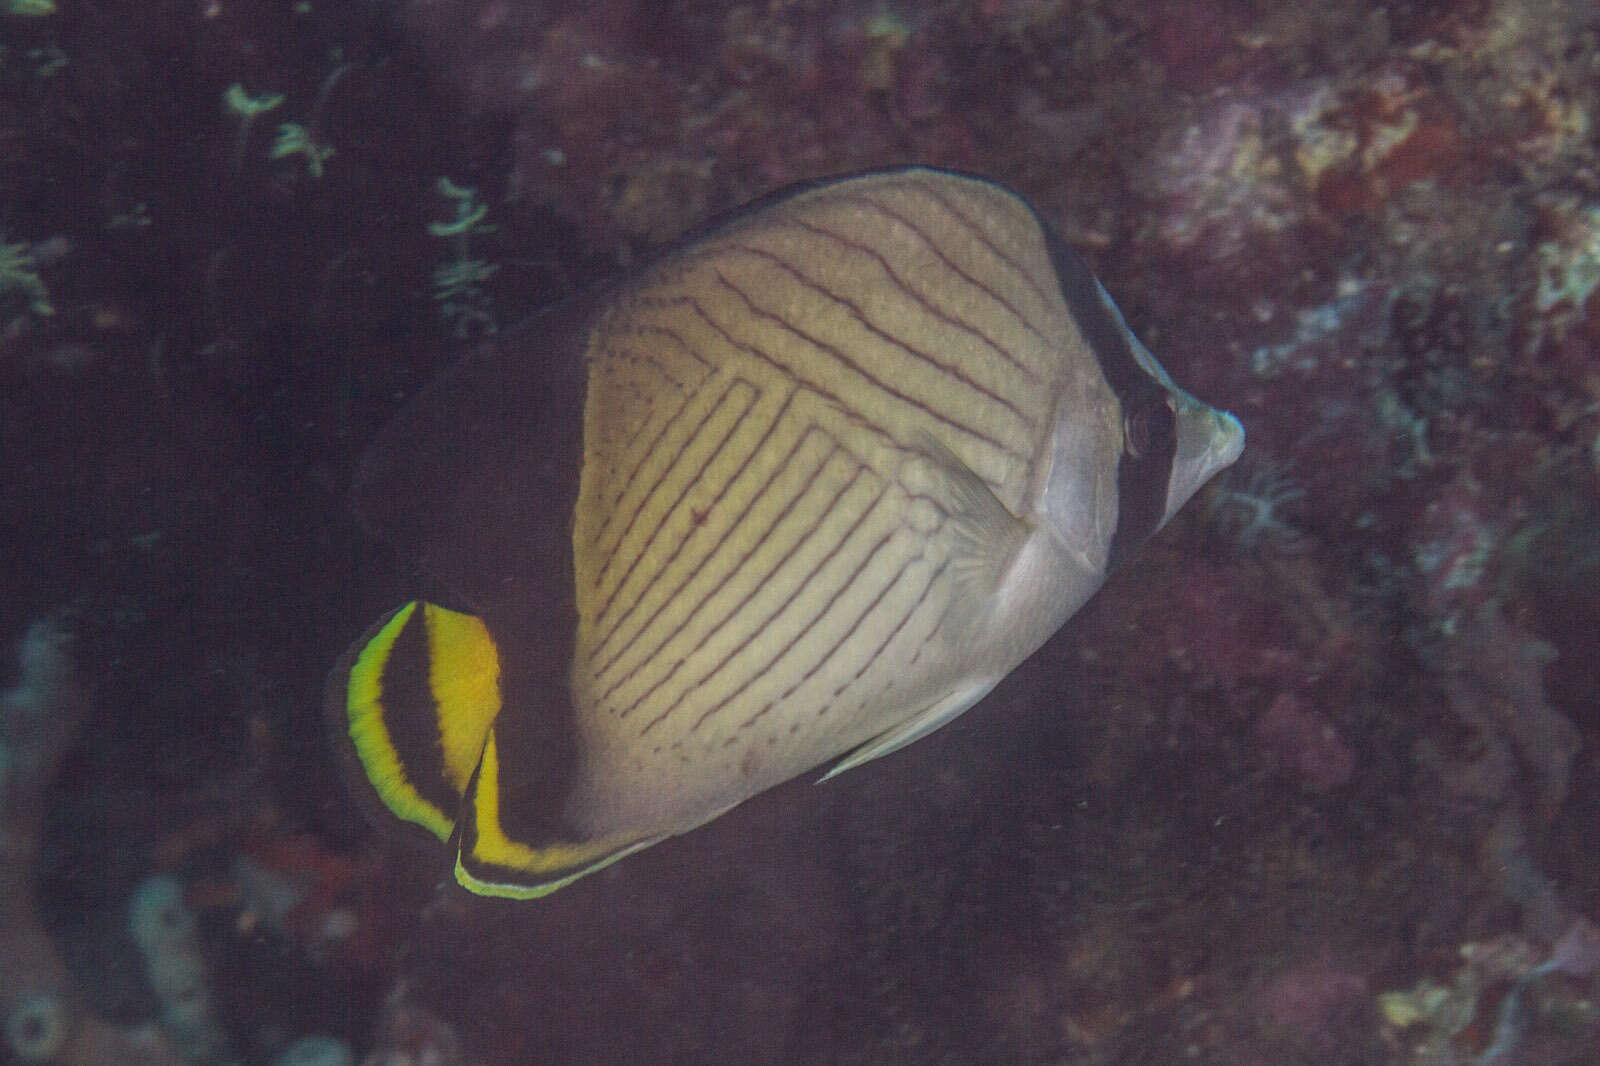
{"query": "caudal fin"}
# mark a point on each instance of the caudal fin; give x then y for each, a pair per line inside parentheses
(415, 709)
(410, 706)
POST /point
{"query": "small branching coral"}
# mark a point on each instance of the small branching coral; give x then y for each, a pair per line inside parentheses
(19, 275)
(295, 139)
(458, 282)
(1247, 509)
(245, 108)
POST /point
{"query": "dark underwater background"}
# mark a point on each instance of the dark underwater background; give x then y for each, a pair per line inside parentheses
(1313, 780)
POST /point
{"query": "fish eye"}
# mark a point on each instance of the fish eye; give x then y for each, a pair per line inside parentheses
(1148, 427)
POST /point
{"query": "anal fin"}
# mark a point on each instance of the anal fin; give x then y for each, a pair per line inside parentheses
(493, 859)
(916, 727)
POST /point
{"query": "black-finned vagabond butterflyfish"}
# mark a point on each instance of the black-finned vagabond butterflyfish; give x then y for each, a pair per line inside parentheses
(798, 491)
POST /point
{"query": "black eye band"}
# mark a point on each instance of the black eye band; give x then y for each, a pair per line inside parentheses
(1149, 427)
(1143, 473)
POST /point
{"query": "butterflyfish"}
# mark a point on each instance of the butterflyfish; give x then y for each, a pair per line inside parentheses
(797, 491)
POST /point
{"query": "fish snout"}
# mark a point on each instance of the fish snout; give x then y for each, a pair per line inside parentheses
(1209, 441)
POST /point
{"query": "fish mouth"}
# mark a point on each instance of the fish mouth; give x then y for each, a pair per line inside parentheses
(1209, 441)
(1227, 440)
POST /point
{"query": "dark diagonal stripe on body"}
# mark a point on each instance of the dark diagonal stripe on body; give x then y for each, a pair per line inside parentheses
(860, 316)
(643, 456)
(827, 656)
(712, 506)
(735, 571)
(752, 509)
(805, 583)
(760, 587)
(895, 632)
(981, 234)
(844, 360)
(685, 478)
(862, 248)
(915, 228)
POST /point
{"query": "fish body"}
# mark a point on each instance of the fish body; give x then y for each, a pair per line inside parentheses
(799, 491)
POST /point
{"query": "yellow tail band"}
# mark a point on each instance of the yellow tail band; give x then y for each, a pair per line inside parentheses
(419, 744)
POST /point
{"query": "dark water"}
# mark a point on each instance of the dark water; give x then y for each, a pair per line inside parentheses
(1313, 780)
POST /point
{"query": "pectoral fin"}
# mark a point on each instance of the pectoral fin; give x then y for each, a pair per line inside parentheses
(985, 539)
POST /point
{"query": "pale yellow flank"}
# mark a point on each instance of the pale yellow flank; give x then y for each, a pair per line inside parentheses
(762, 541)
